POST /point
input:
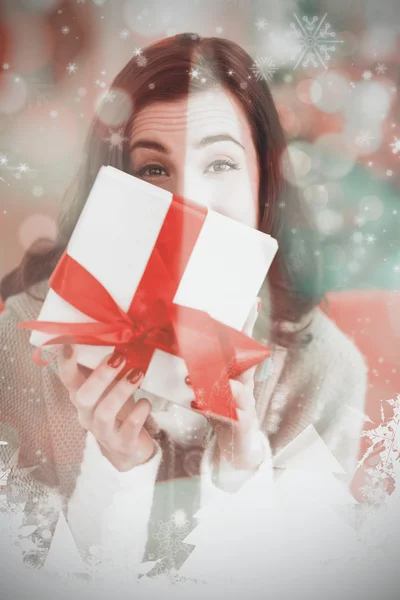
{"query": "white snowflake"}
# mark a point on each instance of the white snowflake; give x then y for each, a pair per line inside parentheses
(109, 96)
(387, 432)
(137, 52)
(370, 239)
(367, 75)
(141, 61)
(264, 68)
(395, 145)
(124, 34)
(364, 139)
(170, 536)
(65, 30)
(314, 38)
(194, 73)
(72, 68)
(115, 138)
(381, 68)
(396, 268)
(261, 24)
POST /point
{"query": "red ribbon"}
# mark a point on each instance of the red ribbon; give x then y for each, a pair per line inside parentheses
(212, 351)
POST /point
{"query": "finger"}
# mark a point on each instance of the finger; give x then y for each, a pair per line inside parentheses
(68, 369)
(115, 406)
(95, 386)
(130, 429)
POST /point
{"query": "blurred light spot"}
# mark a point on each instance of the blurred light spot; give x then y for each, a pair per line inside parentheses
(316, 196)
(13, 93)
(34, 227)
(336, 160)
(114, 109)
(296, 163)
(37, 191)
(309, 91)
(289, 121)
(371, 207)
(374, 100)
(334, 91)
(379, 42)
(149, 23)
(43, 5)
(329, 221)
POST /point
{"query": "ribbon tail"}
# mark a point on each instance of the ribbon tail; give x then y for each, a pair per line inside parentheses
(198, 343)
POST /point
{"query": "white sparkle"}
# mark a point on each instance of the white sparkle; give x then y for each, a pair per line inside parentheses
(65, 30)
(72, 68)
(261, 24)
(381, 68)
(395, 145)
(116, 139)
(367, 75)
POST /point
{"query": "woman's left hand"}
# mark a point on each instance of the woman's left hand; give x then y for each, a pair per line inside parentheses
(240, 442)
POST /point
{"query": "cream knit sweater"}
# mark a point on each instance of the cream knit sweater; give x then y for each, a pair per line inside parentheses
(323, 384)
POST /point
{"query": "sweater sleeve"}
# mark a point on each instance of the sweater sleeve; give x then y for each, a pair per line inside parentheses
(219, 479)
(110, 509)
(341, 420)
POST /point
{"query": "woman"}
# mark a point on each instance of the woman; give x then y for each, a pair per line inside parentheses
(191, 119)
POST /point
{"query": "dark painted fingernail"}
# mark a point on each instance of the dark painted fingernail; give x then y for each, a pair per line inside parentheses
(187, 380)
(68, 351)
(116, 359)
(134, 375)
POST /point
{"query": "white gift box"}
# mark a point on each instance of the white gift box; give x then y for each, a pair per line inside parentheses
(114, 238)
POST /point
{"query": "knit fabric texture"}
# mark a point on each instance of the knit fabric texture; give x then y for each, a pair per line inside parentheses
(323, 384)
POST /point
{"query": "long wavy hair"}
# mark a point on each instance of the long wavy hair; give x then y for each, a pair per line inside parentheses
(162, 72)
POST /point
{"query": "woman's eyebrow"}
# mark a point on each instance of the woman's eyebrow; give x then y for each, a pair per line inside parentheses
(206, 141)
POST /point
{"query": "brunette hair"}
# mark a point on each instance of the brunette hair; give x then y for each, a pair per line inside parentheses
(162, 72)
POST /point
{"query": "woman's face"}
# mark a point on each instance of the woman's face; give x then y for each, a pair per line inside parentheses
(174, 145)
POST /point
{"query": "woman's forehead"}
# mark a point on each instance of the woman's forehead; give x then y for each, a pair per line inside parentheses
(213, 109)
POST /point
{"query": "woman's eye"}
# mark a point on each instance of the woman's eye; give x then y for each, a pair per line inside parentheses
(226, 162)
(143, 170)
(223, 166)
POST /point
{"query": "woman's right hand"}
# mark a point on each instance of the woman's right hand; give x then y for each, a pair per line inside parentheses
(107, 409)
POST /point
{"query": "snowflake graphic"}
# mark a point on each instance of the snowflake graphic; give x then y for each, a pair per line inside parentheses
(72, 68)
(315, 40)
(395, 145)
(264, 68)
(364, 139)
(381, 68)
(115, 138)
(386, 433)
(367, 75)
(171, 534)
(124, 34)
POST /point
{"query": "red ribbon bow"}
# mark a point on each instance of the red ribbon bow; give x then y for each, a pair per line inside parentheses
(212, 351)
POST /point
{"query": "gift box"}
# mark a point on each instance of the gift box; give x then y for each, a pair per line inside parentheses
(165, 280)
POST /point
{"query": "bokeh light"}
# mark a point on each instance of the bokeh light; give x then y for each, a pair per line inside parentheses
(114, 108)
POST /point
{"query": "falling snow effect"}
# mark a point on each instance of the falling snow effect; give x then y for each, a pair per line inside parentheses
(395, 145)
(171, 534)
(264, 68)
(316, 41)
(116, 139)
